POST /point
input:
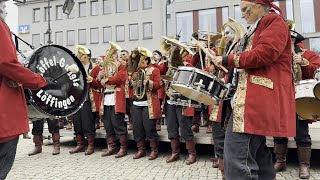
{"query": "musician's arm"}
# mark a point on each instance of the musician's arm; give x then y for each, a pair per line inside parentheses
(119, 78)
(10, 66)
(312, 64)
(95, 83)
(272, 42)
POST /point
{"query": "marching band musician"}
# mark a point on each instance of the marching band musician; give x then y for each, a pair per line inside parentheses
(179, 121)
(84, 119)
(113, 77)
(232, 31)
(146, 109)
(124, 55)
(264, 62)
(159, 61)
(308, 61)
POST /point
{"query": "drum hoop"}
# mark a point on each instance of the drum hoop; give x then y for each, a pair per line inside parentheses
(86, 87)
(307, 81)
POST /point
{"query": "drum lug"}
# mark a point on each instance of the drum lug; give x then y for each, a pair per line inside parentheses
(199, 85)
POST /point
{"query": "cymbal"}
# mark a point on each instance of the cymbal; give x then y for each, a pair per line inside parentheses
(174, 41)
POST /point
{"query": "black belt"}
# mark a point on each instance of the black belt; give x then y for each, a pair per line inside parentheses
(108, 93)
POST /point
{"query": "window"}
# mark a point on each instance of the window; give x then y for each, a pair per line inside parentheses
(94, 8)
(59, 38)
(36, 15)
(107, 7)
(315, 45)
(147, 4)
(120, 6)
(70, 38)
(185, 24)
(237, 13)
(82, 36)
(307, 16)
(206, 17)
(133, 5)
(46, 13)
(36, 40)
(225, 15)
(107, 34)
(120, 36)
(82, 9)
(133, 32)
(289, 9)
(94, 35)
(45, 38)
(59, 12)
(147, 30)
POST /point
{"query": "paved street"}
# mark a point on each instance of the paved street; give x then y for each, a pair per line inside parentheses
(78, 166)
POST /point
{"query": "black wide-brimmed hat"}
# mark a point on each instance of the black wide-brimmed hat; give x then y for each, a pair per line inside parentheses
(297, 36)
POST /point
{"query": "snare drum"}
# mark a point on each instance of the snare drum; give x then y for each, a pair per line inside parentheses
(307, 106)
(68, 95)
(316, 88)
(198, 85)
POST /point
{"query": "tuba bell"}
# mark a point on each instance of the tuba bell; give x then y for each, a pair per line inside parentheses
(110, 66)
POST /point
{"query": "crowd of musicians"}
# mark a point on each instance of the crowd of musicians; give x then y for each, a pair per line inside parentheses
(136, 83)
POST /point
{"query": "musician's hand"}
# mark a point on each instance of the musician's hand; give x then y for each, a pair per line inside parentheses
(217, 61)
(297, 58)
(146, 82)
(101, 74)
(212, 69)
(51, 83)
(89, 79)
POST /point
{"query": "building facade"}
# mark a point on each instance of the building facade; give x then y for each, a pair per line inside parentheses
(93, 23)
(189, 16)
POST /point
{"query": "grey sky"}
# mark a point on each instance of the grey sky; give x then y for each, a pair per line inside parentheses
(12, 18)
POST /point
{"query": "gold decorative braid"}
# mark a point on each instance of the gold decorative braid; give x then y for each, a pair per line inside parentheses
(236, 60)
(262, 81)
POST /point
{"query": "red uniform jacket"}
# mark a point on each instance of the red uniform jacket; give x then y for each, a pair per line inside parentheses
(153, 75)
(95, 88)
(265, 97)
(13, 108)
(119, 80)
(163, 70)
(314, 63)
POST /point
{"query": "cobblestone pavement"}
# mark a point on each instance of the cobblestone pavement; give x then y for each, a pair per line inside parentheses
(79, 166)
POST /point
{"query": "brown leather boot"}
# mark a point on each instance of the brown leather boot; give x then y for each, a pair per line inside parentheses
(175, 146)
(215, 163)
(191, 147)
(280, 150)
(221, 167)
(56, 143)
(80, 145)
(111, 141)
(154, 144)
(123, 147)
(141, 150)
(304, 154)
(90, 148)
(38, 141)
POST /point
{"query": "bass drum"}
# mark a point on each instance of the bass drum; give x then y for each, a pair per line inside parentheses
(307, 105)
(64, 98)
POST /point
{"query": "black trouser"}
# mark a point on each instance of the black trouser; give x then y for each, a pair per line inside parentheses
(84, 121)
(7, 154)
(114, 124)
(176, 121)
(218, 135)
(129, 105)
(37, 126)
(246, 156)
(302, 138)
(143, 127)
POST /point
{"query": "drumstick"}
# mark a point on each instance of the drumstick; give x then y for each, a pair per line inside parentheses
(208, 53)
(73, 68)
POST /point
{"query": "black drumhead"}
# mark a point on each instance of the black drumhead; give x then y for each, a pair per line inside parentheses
(70, 92)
